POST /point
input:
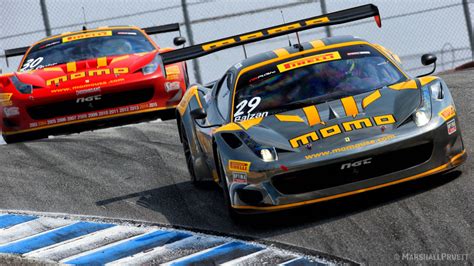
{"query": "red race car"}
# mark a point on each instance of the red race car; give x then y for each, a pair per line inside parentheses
(89, 79)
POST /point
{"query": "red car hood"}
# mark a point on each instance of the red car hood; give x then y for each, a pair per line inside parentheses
(104, 68)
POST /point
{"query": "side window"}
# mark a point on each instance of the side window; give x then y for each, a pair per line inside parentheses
(223, 96)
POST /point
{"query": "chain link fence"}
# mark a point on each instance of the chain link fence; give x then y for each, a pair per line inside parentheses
(410, 28)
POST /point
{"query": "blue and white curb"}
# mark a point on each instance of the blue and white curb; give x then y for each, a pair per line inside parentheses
(86, 241)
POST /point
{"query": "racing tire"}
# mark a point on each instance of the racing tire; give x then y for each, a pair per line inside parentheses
(167, 115)
(188, 156)
(10, 139)
(233, 214)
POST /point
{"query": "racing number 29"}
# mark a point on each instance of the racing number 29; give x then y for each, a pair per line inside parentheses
(252, 104)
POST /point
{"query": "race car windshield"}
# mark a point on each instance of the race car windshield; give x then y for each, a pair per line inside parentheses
(88, 45)
(313, 79)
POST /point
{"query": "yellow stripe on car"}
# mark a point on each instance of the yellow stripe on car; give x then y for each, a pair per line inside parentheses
(312, 115)
(371, 98)
(71, 67)
(102, 61)
(350, 106)
(289, 118)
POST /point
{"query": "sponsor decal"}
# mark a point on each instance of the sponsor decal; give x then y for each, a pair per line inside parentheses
(257, 34)
(310, 60)
(238, 65)
(172, 70)
(172, 86)
(347, 139)
(5, 97)
(89, 99)
(95, 114)
(262, 76)
(239, 166)
(126, 33)
(451, 127)
(448, 112)
(240, 178)
(87, 35)
(358, 53)
(11, 111)
(87, 91)
(356, 164)
(90, 73)
(350, 147)
(49, 44)
(6, 103)
(172, 77)
(337, 129)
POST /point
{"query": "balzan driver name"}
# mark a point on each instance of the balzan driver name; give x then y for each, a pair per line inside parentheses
(310, 60)
(239, 166)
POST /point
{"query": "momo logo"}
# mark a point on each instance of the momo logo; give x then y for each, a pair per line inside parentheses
(337, 129)
(91, 73)
(356, 164)
(89, 99)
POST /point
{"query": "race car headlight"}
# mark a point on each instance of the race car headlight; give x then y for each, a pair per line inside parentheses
(423, 115)
(20, 86)
(153, 65)
(267, 154)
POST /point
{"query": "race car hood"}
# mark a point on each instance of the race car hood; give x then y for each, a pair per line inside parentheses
(78, 72)
(381, 112)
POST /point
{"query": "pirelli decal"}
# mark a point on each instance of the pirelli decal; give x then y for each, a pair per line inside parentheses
(329, 131)
(87, 35)
(239, 166)
(266, 32)
(310, 60)
(448, 113)
(5, 97)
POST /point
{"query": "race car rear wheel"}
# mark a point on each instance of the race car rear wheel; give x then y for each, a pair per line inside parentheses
(188, 155)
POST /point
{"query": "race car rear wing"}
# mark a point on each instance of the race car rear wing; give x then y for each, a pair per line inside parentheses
(339, 17)
(16, 51)
(162, 29)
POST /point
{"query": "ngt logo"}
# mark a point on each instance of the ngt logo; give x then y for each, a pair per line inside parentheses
(90, 73)
(337, 129)
(356, 164)
(89, 99)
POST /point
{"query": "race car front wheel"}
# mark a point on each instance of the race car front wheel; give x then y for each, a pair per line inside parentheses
(188, 155)
(236, 217)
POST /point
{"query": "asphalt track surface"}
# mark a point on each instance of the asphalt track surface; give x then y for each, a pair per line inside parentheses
(139, 172)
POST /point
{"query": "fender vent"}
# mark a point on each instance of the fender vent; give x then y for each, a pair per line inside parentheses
(231, 140)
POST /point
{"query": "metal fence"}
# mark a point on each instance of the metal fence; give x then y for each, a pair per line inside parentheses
(410, 27)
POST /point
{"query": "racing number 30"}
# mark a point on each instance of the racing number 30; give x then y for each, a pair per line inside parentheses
(252, 104)
(31, 64)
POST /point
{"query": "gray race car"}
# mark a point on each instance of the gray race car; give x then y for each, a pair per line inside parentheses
(317, 121)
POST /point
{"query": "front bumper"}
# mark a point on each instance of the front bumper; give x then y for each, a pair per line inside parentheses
(41, 113)
(447, 153)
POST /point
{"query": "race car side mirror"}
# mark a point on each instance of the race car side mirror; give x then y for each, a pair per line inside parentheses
(426, 60)
(179, 41)
(198, 113)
